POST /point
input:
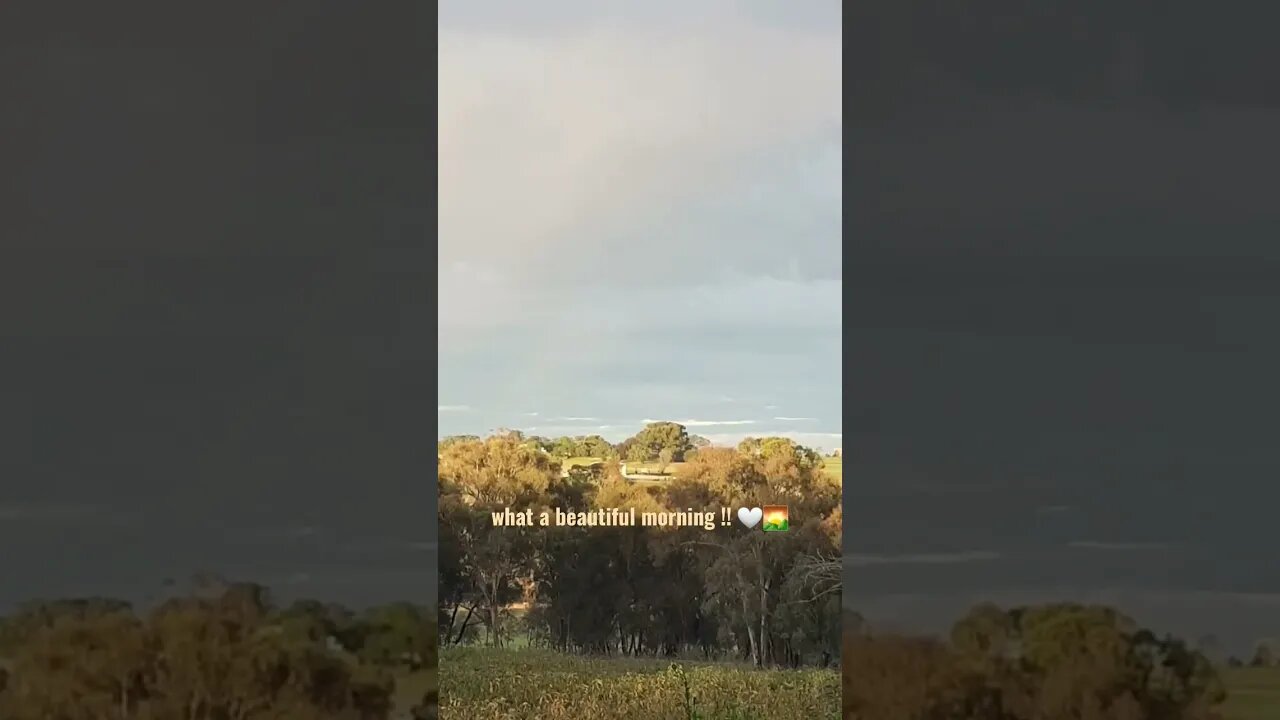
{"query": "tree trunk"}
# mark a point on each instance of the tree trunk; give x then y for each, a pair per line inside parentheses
(463, 630)
(766, 654)
(755, 646)
(452, 616)
(494, 613)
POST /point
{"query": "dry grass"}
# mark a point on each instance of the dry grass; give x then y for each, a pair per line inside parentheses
(485, 684)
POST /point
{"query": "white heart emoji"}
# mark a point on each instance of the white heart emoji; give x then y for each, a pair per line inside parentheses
(750, 517)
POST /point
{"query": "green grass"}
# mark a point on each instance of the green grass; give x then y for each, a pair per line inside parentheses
(1252, 693)
(487, 684)
(834, 467)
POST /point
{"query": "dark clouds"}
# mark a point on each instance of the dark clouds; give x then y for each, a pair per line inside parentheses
(216, 295)
(1062, 298)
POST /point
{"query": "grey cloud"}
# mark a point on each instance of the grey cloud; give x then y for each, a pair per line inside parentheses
(54, 512)
(705, 423)
(655, 198)
(560, 16)
(729, 98)
(859, 559)
(1119, 546)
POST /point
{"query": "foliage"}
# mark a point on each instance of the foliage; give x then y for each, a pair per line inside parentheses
(1034, 663)
(654, 438)
(485, 684)
(226, 653)
(633, 590)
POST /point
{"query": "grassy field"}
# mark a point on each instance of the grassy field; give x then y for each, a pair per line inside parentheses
(486, 684)
(576, 461)
(1252, 693)
(834, 466)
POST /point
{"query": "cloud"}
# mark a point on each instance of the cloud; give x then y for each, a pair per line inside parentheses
(807, 439)
(59, 512)
(272, 533)
(643, 213)
(1118, 546)
(453, 408)
(857, 560)
(726, 302)
(704, 423)
(795, 419)
(561, 131)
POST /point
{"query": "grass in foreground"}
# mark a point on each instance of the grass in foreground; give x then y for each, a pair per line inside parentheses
(1252, 693)
(488, 684)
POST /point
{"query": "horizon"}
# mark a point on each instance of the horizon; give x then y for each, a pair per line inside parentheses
(621, 430)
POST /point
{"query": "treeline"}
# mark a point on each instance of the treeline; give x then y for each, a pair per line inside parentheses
(662, 441)
(225, 654)
(1045, 662)
(771, 598)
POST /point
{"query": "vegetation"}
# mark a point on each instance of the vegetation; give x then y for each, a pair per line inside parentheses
(1045, 663)
(1253, 693)
(220, 654)
(488, 683)
(635, 598)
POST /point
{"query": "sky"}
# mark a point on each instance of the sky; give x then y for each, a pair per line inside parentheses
(1061, 324)
(215, 292)
(215, 302)
(640, 218)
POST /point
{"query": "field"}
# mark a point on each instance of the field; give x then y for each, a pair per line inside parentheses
(833, 466)
(1252, 694)
(487, 684)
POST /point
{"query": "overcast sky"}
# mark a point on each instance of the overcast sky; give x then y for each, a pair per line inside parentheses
(640, 218)
(1062, 319)
(214, 300)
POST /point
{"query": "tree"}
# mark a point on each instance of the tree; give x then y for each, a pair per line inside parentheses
(642, 590)
(477, 479)
(563, 447)
(596, 447)
(400, 635)
(664, 459)
(203, 656)
(656, 436)
(1263, 655)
